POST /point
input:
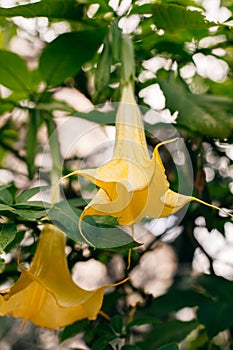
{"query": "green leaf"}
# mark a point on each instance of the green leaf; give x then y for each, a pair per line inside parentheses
(73, 329)
(6, 196)
(34, 80)
(34, 205)
(194, 114)
(7, 235)
(179, 25)
(217, 287)
(127, 59)
(68, 9)
(30, 214)
(14, 73)
(175, 300)
(27, 194)
(6, 105)
(31, 210)
(103, 118)
(200, 340)
(16, 241)
(64, 56)
(31, 141)
(174, 18)
(117, 324)
(171, 346)
(4, 208)
(148, 8)
(223, 89)
(216, 316)
(55, 105)
(103, 342)
(172, 331)
(131, 347)
(102, 75)
(66, 219)
(116, 40)
(141, 321)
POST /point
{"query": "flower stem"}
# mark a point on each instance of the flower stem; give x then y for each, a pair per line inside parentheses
(54, 145)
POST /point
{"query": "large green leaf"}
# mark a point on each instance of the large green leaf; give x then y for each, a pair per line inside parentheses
(27, 194)
(103, 118)
(102, 75)
(64, 56)
(172, 331)
(217, 312)
(141, 321)
(7, 235)
(68, 9)
(29, 213)
(175, 17)
(103, 342)
(66, 218)
(198, 113)
(6, 209)
(217, 287)
(179, 24)
(216, 316)
(14, 73)
(6, 194)
(177, 21)
(73, 329)
(16, 241)
(175, 300)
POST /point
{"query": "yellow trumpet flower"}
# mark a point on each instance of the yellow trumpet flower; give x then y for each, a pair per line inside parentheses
(132, 185)
(45, 294)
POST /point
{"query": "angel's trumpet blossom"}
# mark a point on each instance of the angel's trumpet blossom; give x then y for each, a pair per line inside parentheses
(132, 184)
(45, 294)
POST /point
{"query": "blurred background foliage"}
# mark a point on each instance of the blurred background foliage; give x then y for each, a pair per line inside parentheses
(180, 294)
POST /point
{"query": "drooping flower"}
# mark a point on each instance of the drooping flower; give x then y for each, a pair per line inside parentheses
(132, 184)
(45, 294)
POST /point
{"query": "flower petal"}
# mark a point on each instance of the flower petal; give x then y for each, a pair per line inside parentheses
(130, 130)
(173, 202)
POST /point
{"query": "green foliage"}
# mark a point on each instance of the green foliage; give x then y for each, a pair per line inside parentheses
(174, 300)
(7, 235)
(31, 141)
(172, 331)
(73, 329)
(174, 18)
(64, 57)
(7, 194)
(16, 80)
(65, 217)
(29, 193)
(67, 9)
(216, 314)
(103, 118)
(202, 114)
